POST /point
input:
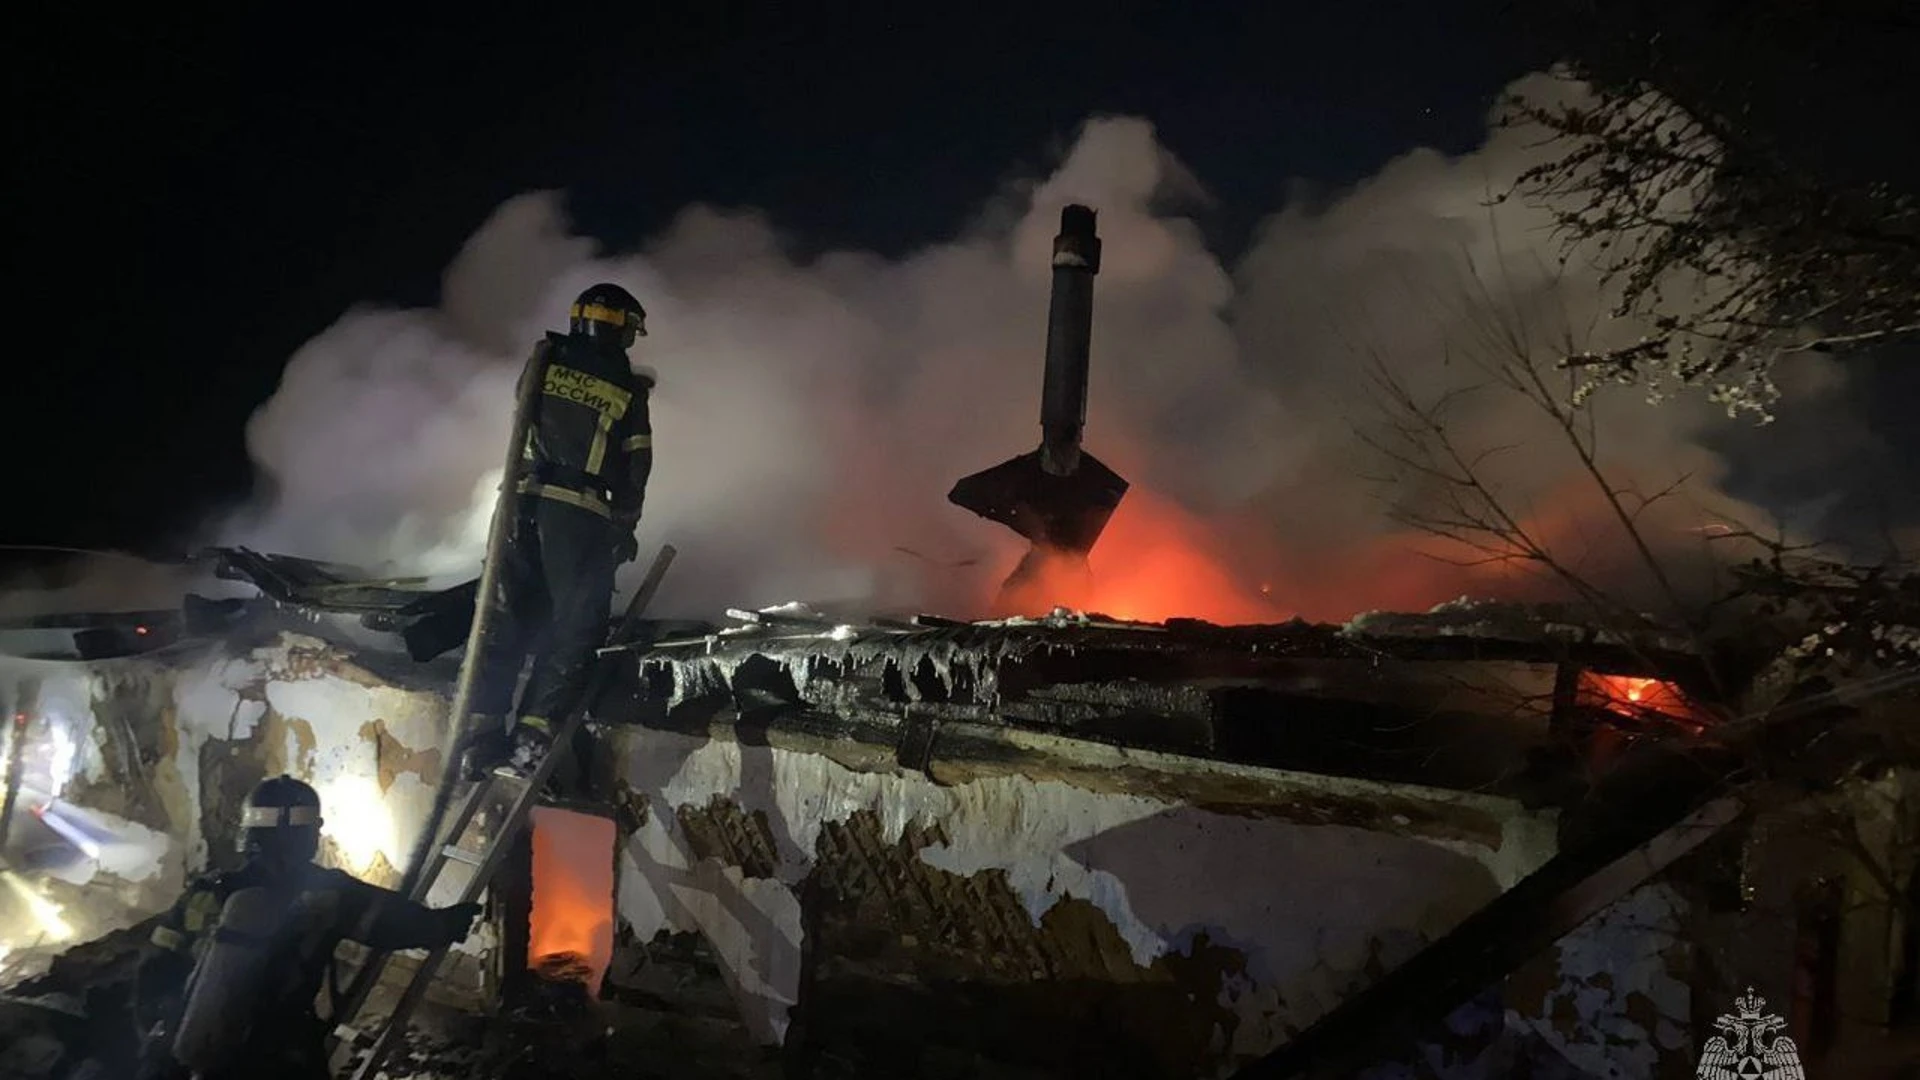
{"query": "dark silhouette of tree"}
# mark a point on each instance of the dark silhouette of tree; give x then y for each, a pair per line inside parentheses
(1744, 174)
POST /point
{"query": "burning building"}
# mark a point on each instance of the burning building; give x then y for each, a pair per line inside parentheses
(1485, 840)
(1056, 845)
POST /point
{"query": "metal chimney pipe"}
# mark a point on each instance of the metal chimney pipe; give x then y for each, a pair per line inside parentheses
(1063, 393)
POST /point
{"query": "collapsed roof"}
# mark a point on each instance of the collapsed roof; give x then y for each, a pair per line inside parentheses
(1460, 696)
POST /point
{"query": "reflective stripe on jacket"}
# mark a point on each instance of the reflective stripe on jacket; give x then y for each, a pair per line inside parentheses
(590, 439)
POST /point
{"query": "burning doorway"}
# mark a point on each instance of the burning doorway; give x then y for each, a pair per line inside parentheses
(571, 907)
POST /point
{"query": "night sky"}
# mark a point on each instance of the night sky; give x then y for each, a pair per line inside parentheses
(197, 200)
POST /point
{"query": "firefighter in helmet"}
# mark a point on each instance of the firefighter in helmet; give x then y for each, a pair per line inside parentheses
(208, 987)
(588, 455)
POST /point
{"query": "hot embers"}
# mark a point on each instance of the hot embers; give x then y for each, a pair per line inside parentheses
(570, 926)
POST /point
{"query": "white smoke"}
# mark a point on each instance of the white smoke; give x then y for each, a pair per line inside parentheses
(1424, 270)
(38, 582)
(811, 415)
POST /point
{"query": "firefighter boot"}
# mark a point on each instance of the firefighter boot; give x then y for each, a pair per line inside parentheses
(532, 739)
(487, 745)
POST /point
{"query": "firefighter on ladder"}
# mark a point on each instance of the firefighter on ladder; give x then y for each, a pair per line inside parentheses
(588, 455)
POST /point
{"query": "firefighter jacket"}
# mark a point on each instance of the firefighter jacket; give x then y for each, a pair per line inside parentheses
(590, 438)
(332, 906)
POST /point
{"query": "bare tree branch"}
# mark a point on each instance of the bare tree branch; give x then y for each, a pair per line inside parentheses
(1733, 259)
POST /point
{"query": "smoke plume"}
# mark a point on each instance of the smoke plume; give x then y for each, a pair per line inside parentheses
(811, 415)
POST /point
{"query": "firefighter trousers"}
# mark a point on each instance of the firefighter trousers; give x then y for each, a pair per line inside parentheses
(556, 589)
(279, 1048)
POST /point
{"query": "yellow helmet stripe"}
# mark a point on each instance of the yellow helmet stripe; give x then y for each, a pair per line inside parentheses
(598, 313)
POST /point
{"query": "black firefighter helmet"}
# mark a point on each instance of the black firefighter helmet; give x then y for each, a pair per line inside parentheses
(608, 314)
(282, 820)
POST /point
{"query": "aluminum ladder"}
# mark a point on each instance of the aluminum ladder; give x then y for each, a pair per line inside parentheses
(490, 820)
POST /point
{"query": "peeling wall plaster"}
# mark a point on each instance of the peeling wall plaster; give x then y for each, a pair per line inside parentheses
(75, 866)
(64, 755)
(1310, 907)
(1307, 936)
(207, 706)
(371, 823)
(1618, 986)
(294, 705)
(324, 709)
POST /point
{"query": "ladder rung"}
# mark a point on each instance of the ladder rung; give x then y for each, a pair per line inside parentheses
(516, 808)
(511, 776)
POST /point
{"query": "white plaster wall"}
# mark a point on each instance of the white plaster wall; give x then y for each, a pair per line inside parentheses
(364, 819)
(82, 870)
(65, 751)
(207, 706)
(1622, 954)
(1306, 904)
(225, 698)
(221, 697)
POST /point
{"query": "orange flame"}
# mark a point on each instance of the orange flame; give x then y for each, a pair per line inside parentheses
(571, 924)
(1638, 697)
(1159, 560)
(1155, 562)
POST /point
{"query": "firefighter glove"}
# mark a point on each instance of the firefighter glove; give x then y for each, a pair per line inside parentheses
(626, 549)
(458, 921)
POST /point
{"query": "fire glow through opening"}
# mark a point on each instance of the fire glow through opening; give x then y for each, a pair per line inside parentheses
(570, 925)
(1638, 698)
